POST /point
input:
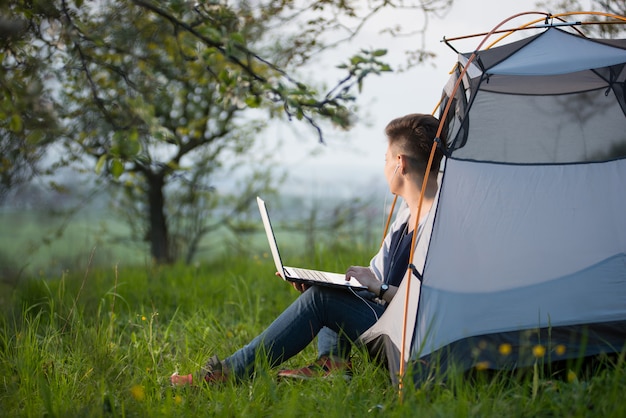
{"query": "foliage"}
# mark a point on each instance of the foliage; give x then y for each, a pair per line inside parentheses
(157, 97)
(104, 342)
(28, 119)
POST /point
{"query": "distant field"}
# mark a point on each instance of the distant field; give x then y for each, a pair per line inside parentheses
(35, 242)
(38, 244)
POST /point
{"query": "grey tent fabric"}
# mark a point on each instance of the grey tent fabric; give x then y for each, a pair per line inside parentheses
(525, 259)
(557, 98)
(553, 52)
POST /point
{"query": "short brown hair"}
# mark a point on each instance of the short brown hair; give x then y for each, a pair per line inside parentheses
(414, 135)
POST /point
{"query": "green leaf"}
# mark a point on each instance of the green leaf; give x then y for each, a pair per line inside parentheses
(224, 77)
(117, 168)
(379, 52)
(253, 101)
(237, 37)
(100, 163)
(357, 59)
(213, 32)
(16, 123)
(161, 133)
(131, 145)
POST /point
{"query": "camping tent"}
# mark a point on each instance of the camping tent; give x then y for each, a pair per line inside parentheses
(524, 258)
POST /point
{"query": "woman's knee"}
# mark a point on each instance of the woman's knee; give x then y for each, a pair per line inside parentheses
(321, 293)
(319, 296)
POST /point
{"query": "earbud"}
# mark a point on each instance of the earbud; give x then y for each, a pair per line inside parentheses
(393, 176)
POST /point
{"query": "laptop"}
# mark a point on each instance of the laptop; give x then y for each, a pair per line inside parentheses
(300, 275)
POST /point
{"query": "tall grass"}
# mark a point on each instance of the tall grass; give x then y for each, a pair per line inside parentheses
(104, 342)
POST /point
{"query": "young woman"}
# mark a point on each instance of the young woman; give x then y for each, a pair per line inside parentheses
(344, 314)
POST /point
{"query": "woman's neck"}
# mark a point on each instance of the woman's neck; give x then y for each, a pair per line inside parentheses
(412, 197)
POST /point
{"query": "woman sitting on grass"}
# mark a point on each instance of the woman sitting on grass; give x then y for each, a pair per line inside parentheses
(347, 313)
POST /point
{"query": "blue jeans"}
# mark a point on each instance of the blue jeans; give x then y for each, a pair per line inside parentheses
(339, 310)
(329, 343)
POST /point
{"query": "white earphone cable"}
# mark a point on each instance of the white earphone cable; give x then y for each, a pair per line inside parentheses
(365, 302)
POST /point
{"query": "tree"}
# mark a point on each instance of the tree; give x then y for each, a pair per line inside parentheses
(154, 112)
(159, 93)
(27, 116)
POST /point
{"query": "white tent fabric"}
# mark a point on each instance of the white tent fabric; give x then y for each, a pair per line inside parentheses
(527, 242)
(539, 247)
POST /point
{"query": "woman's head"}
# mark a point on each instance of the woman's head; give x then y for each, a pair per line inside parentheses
(410, 142)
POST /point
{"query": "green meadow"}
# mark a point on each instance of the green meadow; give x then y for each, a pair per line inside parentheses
(100, 339)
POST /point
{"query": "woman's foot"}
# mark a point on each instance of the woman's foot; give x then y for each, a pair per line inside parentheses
(181, 379)
(324, 367)
(213, 372)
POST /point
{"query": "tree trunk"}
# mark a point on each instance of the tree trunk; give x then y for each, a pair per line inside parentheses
(158, 234)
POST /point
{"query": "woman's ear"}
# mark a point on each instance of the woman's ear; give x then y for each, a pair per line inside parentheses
(402, 164)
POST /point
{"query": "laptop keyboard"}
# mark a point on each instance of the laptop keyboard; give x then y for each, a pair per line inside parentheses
(310, 274)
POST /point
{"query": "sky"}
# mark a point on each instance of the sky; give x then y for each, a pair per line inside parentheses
(350, 162)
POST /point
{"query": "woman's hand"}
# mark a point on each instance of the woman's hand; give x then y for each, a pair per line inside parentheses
(300, 287)
(365, 276)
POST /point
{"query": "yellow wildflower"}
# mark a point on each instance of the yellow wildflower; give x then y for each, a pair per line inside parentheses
(571, 376)
(482, 365)
(138, 392)
(539, 351)
(560, 349)
(505, 349)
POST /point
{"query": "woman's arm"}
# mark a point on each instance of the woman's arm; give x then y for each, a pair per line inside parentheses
(366, 277)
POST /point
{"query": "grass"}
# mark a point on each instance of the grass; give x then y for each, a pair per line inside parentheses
(103, 342)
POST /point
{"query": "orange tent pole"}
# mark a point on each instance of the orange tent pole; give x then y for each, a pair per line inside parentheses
(393, 205)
